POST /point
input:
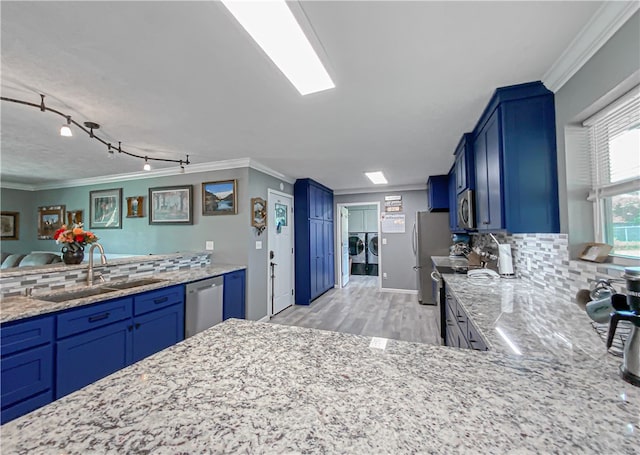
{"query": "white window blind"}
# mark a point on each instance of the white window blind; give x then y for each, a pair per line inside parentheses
(614, 143)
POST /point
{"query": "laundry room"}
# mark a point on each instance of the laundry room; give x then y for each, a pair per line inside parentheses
(363, 239)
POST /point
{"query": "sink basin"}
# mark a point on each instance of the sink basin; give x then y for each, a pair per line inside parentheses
(72, 295)
(132, 283)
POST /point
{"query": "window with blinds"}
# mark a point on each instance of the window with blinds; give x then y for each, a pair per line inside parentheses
(614, 142)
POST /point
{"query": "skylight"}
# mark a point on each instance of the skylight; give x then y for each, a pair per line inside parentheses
(377, 177)
(272, 25)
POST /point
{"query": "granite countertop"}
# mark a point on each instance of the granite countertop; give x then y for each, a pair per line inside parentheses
(247, 387)
(20, 307)
(538, 322)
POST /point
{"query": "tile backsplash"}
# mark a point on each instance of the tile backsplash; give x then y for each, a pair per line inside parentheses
(544, 260)
(15, 281)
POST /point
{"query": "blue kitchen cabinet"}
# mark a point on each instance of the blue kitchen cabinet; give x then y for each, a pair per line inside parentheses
(158, 321)
(464, 165)
(26, 377)
(438, 193)
(84, 358)
(93, 342)
(516, 163)
(453, 197)
(314, 255)
(157, 330)
(234, 295)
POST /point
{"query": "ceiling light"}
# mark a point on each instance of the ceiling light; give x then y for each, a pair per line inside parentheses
(147, 166)
(272, 25)
(65, 130)
(377, 177)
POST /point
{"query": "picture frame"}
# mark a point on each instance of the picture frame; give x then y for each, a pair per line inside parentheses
(50, 219)
(595, 252)
(135, 207)
(74, 217)
(258, 213)
(105, 209)
(171, 205)
(9, 225)
(220, 198)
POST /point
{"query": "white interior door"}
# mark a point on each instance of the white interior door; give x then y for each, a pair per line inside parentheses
(281, 264)
(344, 245)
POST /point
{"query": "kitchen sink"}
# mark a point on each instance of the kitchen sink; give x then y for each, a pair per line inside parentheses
(72, 295)
(132, 283)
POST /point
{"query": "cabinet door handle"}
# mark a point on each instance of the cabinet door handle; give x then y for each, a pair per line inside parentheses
(130, 328)
(99, 317)
(485, 222)
(160, 300)
(137, 325)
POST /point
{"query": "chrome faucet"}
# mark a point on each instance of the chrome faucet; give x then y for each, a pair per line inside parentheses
(103, 261)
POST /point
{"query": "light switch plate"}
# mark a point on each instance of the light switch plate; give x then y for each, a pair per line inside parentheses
(209, 245)
(258, 244)
(384, 241)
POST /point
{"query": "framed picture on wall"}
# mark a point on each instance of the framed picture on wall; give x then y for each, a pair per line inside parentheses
(50, 219)
(9, 225)
(171, 205)
(220, 198)
(74, 217)
(105, 209)
(135, 207)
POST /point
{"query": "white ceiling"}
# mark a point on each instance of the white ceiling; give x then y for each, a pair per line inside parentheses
(176, 78)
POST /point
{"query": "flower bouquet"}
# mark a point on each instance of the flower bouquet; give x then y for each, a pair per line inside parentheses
(74, 240)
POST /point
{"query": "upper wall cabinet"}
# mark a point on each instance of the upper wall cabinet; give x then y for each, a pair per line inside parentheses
(438, 193)
(516, 173)
(464, 165)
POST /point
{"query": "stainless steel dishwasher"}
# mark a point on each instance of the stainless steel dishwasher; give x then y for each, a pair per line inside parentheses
(204, 305)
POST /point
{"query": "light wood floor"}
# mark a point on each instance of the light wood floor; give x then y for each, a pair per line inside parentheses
(361, 309)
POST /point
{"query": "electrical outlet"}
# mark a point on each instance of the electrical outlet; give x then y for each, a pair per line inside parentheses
(209, 245)
(384, 275)
(258, 244)
(384, 241)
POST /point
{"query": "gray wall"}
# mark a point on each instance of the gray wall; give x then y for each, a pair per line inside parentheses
(16, 201)
(397, 254)
(257, 284)
(233, 236)
(611, 72)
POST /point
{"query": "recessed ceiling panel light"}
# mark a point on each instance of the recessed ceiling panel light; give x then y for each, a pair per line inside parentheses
(272, 25)
(377, 177)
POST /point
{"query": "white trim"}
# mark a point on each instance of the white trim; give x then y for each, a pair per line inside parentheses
(264, 319)
(139, 175)
(271, 192)
(337, 241)
(253, 164)
(602, 113)
(400, 291)
(604, 23)
(386, 189)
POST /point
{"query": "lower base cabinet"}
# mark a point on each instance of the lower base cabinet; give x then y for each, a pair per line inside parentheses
(233, 305)
(459, 331)
(155, 331)
(26, 366)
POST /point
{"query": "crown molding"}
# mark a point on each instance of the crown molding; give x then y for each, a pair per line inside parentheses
(18, 186)
(253, 164)
(386, 189)
(604, 23)
(139, 175)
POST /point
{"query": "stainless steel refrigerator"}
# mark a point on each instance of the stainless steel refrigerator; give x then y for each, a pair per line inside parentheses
(431, 237)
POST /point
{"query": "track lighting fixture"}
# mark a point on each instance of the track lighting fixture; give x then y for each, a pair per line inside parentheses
(65, 130)
(88, 128)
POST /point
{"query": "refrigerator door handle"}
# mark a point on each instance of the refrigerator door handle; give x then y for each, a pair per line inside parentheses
(414, 240)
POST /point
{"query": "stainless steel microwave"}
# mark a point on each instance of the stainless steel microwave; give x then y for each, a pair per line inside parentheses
(466, 213)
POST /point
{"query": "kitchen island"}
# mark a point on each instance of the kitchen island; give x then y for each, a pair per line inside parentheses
(247, 387)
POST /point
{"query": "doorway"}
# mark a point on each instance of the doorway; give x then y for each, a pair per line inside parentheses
(280, 259)
(359, 232)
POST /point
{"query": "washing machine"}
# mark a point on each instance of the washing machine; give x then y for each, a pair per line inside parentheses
(358, 252)
(372, 248)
